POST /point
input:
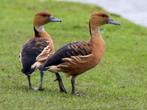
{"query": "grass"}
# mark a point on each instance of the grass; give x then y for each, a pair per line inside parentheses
(119, 82)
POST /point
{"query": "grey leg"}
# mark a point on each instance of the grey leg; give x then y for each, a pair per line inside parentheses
(29, 81)
(41, 81)
(73, 85)
(61, 85)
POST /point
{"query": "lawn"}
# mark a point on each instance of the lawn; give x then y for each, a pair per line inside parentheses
(119, 82)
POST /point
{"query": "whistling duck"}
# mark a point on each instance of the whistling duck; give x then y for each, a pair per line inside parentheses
(35, 51)
(78, 57)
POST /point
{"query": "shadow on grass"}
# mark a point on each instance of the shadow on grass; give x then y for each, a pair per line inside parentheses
(50, 92)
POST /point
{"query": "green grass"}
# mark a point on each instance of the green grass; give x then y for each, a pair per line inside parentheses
(119, 82)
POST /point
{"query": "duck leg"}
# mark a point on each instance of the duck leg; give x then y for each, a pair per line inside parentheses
(29, 81)
(41, 81)
(61, 85)
(73, 85)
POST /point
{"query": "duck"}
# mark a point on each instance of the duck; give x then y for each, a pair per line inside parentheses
(37, 49)
(78, 57)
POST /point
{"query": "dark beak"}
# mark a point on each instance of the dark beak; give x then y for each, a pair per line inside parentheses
(53, 19)
(111, 21)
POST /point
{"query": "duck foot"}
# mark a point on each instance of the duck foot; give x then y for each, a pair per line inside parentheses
(41, 89)
(30, 88)
(76, 94)
(63, 91)
(38, 89)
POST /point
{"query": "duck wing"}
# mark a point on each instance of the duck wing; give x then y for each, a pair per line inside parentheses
(30, 51)
(68, 51)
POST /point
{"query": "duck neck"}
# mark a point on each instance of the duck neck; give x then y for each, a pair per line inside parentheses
(40, 28)
(40, 31)
(96, 40)
(94, 30)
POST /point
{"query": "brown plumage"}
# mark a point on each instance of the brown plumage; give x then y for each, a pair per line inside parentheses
(36, 50)
(78, 57)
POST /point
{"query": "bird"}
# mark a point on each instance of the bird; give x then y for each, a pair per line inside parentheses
(78, 57)
(37, 49)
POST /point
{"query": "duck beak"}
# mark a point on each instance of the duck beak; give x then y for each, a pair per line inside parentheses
(53, 19)
(111, 21)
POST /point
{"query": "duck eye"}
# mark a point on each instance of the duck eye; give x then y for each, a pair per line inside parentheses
(103, 15)
(44, 15)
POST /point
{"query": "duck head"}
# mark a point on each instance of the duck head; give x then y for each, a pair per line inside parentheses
(101, 18)
(43, 18)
